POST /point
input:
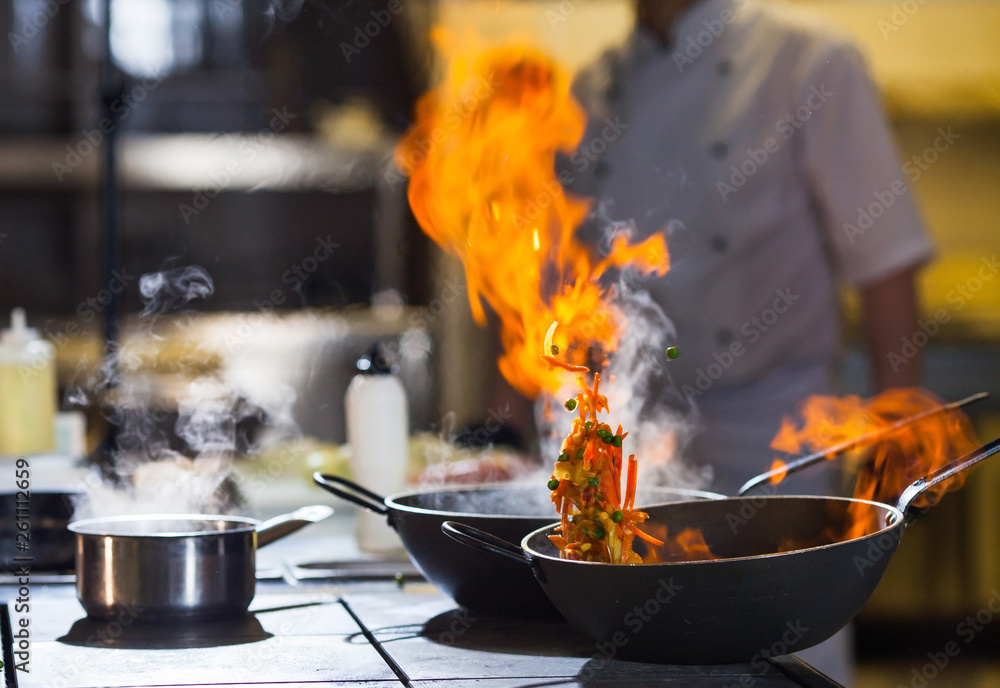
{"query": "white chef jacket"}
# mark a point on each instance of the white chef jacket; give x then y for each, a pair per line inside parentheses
(757, 142)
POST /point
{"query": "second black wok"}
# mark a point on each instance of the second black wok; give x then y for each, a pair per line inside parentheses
(476, 580)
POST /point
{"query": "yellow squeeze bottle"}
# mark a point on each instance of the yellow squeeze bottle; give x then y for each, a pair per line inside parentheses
(27, 390)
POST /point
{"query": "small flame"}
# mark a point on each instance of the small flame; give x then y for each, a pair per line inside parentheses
(780, 470)
(481, 160)
(890, 463)
(687, 545)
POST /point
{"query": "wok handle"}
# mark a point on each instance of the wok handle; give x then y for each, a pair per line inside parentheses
(286, 524)
(483, 541)
(944, 473)
(352, 492)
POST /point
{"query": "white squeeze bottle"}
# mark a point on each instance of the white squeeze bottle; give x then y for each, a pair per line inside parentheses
(27, 390)
(377, 430)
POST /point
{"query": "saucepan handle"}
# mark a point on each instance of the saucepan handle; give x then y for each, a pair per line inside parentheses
(944, 473)
(352, 492)
(483, 541)
(286, 524)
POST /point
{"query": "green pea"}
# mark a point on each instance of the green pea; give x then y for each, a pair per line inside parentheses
(570, 404)
(672, 352)
(588, 426)
(617, 516)
(608, 438)
(616, 441)
(594, 481)
(563, 457)
(553, 484)
(579, 454)
(555, 350)
(598, 533)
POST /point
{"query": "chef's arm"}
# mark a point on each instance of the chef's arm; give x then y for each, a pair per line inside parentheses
(889, 313)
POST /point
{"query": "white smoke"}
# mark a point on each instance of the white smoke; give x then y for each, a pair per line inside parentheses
(172, 454)
(170, 290)
(639, 392)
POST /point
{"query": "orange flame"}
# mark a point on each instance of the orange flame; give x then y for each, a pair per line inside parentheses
(687, 545)
(778, 465)
(481, 161)
(890, 463)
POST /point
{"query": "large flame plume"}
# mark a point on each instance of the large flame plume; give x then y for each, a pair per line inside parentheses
(483, 185)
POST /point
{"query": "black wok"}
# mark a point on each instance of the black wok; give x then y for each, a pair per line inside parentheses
(475, 580)
(784, 582)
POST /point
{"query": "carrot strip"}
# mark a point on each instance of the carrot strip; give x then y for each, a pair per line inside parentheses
(648, 538)
(630, 487)
(552, 360)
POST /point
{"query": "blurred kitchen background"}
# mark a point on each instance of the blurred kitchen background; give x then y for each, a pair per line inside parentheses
(251, 144)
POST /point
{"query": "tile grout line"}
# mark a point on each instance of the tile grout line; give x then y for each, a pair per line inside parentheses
(396, 669)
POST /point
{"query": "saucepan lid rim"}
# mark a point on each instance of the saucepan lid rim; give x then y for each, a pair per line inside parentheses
(105, 526)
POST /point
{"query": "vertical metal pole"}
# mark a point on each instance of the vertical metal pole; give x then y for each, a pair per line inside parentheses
(111, 84)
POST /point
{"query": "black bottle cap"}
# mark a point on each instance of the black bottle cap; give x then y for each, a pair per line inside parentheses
(377, 362)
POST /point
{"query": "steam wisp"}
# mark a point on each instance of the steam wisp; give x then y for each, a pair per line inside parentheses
(170, 457)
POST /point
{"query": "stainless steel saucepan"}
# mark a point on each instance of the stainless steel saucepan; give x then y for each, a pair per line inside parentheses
(175, 566)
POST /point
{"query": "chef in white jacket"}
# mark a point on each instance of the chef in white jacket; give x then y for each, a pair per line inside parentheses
(755, 138)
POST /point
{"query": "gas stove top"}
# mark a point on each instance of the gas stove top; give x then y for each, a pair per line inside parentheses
(370, 633)
(325, 613)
